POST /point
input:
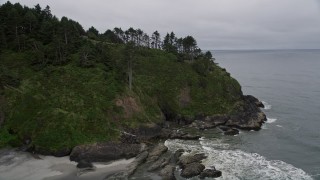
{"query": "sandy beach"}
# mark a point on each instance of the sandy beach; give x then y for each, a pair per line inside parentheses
(15, 165)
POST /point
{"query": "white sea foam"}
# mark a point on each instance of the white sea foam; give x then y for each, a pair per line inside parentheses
(20, 165)
(266, 105)
(236, 164)
(279, 126)
(271, 120)
(264, 126)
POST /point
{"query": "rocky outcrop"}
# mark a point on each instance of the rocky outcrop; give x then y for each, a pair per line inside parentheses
(160, 163)
(167, 173)
(141, 158)
(247, 121)
(177, 155)
(191, 165)
(57, 153)
(177, 134)
(229, 131)
(188, 159)
(191, 170)
(210, 122)
(84, 164)
(142, 133)
(131, 168)
(156, 152)
(248, 116)
(104, 152)
(210, 173)
(252, 100)
(182, 135)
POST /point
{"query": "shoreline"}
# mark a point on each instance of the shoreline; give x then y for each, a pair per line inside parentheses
(145, 147)
(22, 165)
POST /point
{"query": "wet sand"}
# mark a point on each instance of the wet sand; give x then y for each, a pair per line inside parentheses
(20, 165)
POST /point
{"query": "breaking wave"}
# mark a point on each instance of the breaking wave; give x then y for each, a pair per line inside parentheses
(236, 164)
(266, 105)
(271, 120)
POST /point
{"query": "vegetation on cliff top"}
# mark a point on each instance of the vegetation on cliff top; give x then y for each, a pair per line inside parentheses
(62, 86)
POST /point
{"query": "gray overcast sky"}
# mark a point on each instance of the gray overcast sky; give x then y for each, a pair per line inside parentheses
(216, 24)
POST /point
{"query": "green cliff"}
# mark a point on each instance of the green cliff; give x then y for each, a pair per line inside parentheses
(66, 86)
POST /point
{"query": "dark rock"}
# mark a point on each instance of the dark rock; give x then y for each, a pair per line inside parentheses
(124, 175)
(210, 173)
(202, 125)
(188, 159)
(165, 133)
(184, 120)
(224, 128)
(253, 100)
(184, 136)
(167, 173)
(84, 164)
(249, 121)
(177, 134)
(249, 116)
(128, 138)
(156, 152)
(177, 154)
(191, 170)
(62, 152)
(231, 132)
(143, 133)
(260, 104)
(217, 119)
(159, 164)
(141, 158)
(117, 176)
(104, 152)
(57, 153)
(210, 122)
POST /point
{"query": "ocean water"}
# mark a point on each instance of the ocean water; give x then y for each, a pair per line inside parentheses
(288, 146)
(288, 81)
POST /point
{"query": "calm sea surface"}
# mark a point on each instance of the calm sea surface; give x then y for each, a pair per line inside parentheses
(288, 146)
(288, 81)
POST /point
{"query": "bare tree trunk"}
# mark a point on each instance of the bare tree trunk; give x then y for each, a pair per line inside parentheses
(17, 37)
(65, 37)
(130, 72)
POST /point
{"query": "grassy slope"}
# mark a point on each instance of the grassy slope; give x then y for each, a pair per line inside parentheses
(62, 106)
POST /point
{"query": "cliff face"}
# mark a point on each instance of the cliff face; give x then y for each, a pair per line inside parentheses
(63, 106)
(61, 86)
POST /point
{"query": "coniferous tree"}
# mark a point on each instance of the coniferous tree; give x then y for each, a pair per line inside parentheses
(189, 47)
(156, 40)
(93, 33)
(119, 33)
(31, 20)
